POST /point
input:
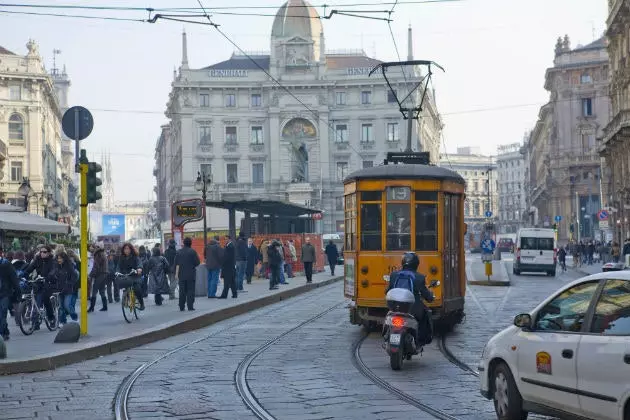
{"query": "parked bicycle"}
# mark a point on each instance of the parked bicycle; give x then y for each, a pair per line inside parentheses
(29, 313)
(129, 302)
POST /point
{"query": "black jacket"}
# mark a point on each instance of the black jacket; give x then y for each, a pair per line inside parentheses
(228, 267)
(241, 249)
(128, 263)
(170, 254)
(43, 266)
(9, 283)
(65, 277)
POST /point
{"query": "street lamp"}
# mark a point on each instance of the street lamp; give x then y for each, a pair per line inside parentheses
(201, 184)
(25, 190)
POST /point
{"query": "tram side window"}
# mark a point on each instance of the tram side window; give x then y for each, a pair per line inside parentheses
(426, 227)
(370, 227)
(350, 223)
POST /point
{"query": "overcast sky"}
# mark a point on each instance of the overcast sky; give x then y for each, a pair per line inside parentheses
(495, 53)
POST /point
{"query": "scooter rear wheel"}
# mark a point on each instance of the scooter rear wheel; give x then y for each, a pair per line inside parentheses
(396, 360)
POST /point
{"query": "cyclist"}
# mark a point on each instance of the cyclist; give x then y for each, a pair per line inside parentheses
(129, 261)
(43, 264)
(65, 276)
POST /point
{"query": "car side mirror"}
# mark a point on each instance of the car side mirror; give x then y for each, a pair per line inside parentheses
(523, 321)
(434, 283)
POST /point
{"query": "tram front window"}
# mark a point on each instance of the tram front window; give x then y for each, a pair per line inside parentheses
(370, 227)
(398, 227)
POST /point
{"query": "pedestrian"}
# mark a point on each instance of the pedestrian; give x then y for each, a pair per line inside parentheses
(186, 262)
(214, 258)
(241, 261)
(43, 264)
(67, 281)
(9, 292)
(111, 283)
(264, 269)
(615, 252)
(332, 254)
(228, 270)
(283, 279)
(158, 269)
(170, 254)
(143, 256)
(275, 263)
(562, 258)
(128, 261)
(292, 257)
(98, 276)
(308, 258)
(253, 256)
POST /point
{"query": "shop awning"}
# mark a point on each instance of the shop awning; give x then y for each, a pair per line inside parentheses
(13, 218)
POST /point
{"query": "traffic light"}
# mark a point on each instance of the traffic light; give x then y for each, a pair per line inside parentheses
(572, 228)
(93, 195)
(555, 226)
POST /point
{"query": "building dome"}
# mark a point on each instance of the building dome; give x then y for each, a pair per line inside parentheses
(297, 18)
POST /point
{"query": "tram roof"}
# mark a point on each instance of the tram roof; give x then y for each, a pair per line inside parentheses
(406, 172)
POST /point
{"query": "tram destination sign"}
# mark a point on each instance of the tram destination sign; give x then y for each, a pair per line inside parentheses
(187, 211)
(228, 73)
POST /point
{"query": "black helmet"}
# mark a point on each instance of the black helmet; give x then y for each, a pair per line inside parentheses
(410, 261)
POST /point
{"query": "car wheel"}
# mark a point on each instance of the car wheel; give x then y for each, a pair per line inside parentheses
(508, 403)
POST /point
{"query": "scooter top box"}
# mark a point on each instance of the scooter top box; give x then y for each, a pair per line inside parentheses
(400, 300)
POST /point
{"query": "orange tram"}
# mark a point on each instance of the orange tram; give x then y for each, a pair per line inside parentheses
(392, 209)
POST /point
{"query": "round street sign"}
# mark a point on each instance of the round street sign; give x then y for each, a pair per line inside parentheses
(558, 218)
(77, 123)
(487, 245)
(602, 215)
(488, 214)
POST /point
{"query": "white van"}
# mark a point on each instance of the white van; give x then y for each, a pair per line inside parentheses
(535, 251)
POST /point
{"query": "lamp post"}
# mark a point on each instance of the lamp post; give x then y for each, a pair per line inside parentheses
(25, 190)
(201, 184)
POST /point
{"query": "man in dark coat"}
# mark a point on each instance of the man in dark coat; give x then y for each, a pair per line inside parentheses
(308, 258)
(333, 255)
(170, 254)
(228, 269)
(9, 292)
(241, 261)
(253, 256)
(186, 262)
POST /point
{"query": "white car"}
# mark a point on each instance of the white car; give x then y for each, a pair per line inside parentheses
(570, 357)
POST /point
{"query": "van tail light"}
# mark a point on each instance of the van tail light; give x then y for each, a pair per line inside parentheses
(518, 253)
(555, 255)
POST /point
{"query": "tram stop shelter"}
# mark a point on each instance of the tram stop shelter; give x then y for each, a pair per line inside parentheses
(270, 215)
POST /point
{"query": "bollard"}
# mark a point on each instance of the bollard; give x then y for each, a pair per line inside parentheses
(488, 269)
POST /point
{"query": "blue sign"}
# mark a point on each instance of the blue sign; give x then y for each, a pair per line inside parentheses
(558, 218)
(114, 224)
(487, 245)
(603, 215)
(488, 213)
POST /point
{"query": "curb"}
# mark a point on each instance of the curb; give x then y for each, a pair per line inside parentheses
(160, 332)
(493, 283)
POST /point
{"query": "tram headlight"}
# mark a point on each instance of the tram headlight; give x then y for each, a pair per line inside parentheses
(365, 283)
(364, 269)
(434, 270)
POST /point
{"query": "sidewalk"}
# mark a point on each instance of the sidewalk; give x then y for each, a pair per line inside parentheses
(587, 270)
(109, 333)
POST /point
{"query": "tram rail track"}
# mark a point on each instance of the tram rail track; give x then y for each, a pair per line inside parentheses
(446, 352)
(383, 384)
(121, 397)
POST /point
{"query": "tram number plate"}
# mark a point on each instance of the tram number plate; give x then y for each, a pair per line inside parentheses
(394, 339)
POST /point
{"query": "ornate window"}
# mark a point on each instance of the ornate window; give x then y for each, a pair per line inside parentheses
(16, 127)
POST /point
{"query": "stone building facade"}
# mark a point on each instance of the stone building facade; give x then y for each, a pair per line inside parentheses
(565, 169)
(511, 192)
(294, 142)
(615, 145)
(32, 146)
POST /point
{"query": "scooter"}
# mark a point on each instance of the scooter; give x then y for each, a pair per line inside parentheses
(400, 327)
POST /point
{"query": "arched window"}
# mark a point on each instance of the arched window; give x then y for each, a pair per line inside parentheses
(16, 127)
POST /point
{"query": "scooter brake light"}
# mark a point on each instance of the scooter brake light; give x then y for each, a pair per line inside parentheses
(398, 321)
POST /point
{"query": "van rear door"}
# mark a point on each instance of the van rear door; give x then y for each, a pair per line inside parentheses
(529, 246)
(545, 255)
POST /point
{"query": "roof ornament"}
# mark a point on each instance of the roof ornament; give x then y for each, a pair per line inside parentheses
(32, 48)
(559, 46)
(566, 44)
(184, 50)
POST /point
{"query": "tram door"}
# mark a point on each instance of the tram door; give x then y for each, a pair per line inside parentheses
(452, 244)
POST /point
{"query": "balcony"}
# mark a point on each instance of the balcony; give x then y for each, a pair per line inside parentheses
(620, 123)
(205, 147)
(256, 147)
(393, 145)
(230, 147)
(367, 145)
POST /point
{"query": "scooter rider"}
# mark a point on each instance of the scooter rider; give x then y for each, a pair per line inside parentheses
(410, 263)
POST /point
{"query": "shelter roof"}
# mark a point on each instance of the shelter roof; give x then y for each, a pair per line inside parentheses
(260, 206)
(406, 171)
(11, 219)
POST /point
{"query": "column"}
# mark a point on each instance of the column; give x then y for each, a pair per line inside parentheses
(232, 222)
(274, 147)
(260, 228)
(247, 225)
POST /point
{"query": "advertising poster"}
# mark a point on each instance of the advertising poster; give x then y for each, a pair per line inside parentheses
(114, 224)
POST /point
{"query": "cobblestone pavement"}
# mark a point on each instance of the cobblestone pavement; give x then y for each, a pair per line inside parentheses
(308, 374)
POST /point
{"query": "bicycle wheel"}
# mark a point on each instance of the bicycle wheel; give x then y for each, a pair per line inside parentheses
(54, 324)
(136, 305)
(24, 315)
(127, 307)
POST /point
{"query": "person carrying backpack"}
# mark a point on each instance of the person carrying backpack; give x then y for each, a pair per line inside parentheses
(409, 278)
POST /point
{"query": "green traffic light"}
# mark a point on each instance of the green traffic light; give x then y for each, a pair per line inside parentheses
(93, 195)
